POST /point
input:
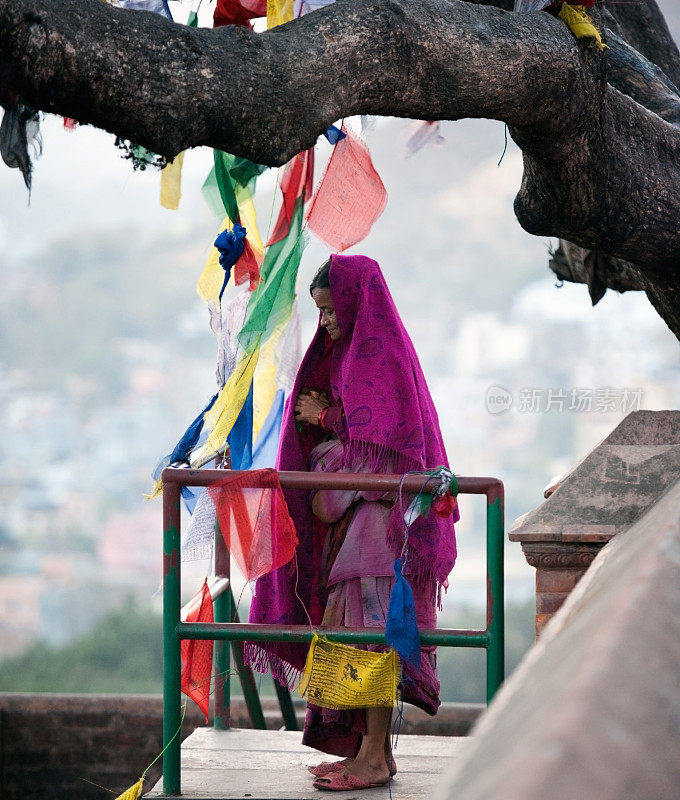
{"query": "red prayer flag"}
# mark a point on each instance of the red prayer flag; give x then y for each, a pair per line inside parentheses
(197, 654)
(247, 267)
(298, 177)
(254, 521)
(238, 12)
(350, 198)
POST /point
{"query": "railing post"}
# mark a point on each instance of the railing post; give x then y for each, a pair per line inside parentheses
(495, 602)
(223, 612)
(245, 674)
(172, 658)
(287, 707)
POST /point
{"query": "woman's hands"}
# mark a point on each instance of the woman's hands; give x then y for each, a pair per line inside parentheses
(309, 405)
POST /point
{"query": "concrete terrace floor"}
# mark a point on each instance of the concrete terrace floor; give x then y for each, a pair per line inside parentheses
(270, 765)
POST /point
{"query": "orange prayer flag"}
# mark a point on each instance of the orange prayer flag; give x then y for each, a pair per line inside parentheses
(197, 654)
(350, 198)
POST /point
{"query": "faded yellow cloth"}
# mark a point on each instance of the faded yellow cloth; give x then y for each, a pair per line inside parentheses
(265, 386)
(220, 419)
(278, 12)
(133, 792)
(155, 490)
(580, 23)
(171, 183)
(342, 677)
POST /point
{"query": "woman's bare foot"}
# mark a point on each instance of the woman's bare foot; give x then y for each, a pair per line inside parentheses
(369, 771)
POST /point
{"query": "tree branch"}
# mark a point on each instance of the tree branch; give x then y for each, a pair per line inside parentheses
(642, 25)
(601, 170)
(268, 96)
(642, 80)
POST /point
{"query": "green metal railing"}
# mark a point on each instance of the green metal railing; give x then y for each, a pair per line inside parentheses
(492, 639)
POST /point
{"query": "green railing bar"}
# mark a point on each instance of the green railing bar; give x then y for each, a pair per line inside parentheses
(172, 658)
(495, 604)
(441, 637)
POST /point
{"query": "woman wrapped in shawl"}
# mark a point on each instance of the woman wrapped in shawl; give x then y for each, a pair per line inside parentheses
(360, 403)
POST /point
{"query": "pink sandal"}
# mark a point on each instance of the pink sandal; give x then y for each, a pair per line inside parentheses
(325, 767)
(338, 781)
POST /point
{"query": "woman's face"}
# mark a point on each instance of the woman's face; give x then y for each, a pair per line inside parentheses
(324, 302)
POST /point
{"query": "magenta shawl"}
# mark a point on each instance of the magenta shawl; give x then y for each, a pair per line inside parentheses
(391, 419)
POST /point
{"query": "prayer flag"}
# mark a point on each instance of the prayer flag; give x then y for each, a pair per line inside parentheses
(350, 198)
(269, 309)
(155, 6)
(580, 24)
(221, 418)
(302, 7)
(267, 443)
(279, 12)
(197, 654)
(238, 12)
(428, 132)
(297, 182)
(334, 134)
(254, 521)
(228, 189)
(171, 183)
(133, 792)
(241, 436)
(343, 677)
(401, 628)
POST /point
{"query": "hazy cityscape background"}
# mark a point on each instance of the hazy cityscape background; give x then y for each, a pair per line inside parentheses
(107, 355)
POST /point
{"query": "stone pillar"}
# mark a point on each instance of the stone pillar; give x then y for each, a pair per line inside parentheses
(601, 496)
(559, 567)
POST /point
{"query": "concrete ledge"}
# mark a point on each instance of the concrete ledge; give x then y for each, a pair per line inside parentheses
(593, 711)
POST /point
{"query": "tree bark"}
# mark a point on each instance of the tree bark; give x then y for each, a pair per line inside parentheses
(601, 159)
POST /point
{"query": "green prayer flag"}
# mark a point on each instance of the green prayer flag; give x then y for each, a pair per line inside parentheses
(225, 184)
(243, 171)
(272, 302)
(231, 177)
(211, 195)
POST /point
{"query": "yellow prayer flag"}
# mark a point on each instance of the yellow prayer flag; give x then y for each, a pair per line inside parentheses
(278, 12)
(212, 277)
(220, 419)
(343, 677)
(171, 183)
(264, 388)
(133, 792)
